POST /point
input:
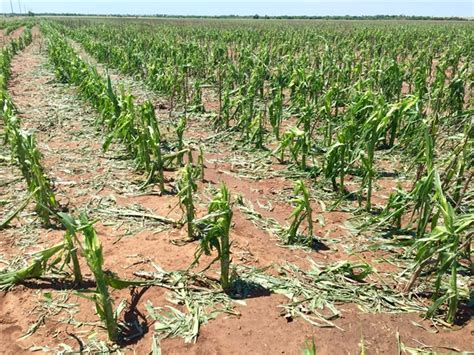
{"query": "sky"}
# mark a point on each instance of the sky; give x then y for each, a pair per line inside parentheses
(247, 7)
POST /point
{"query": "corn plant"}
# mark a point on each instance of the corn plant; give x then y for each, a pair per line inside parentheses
(200, 162)
(68, 251)
(180, 128)
(373, 129)
(296, 141)
(329, 116)
(92, 250)
(197, 105)
(29, 159)
(275, 110)
(153, 142)
(37, 268)
(396, 207)
(72, 244)
(301, 212)
(11, 122)
(383, 121)
(257, 131)
(442, 250)
(43, 262)
(391, 79)
(216, 229)
(336, 162)
(461, 159)
(186, 187)
(422, 192)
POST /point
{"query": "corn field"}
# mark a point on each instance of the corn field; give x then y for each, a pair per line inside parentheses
(225, 162)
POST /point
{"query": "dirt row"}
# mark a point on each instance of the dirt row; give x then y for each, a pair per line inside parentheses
(6, 38)
(88, 179)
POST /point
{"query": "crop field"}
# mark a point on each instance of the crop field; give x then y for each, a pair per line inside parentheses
(232, 186)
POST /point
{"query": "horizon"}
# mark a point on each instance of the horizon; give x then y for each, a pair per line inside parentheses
(430, 8)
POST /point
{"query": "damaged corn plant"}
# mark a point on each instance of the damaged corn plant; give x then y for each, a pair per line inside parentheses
(302, 212)
(186, 187)
(80, 239)
(215, 229)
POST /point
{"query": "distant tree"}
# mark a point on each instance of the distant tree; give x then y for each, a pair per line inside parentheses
(31, 14)
(256, 17)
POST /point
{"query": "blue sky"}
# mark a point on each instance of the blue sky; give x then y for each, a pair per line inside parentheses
(247, 7)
